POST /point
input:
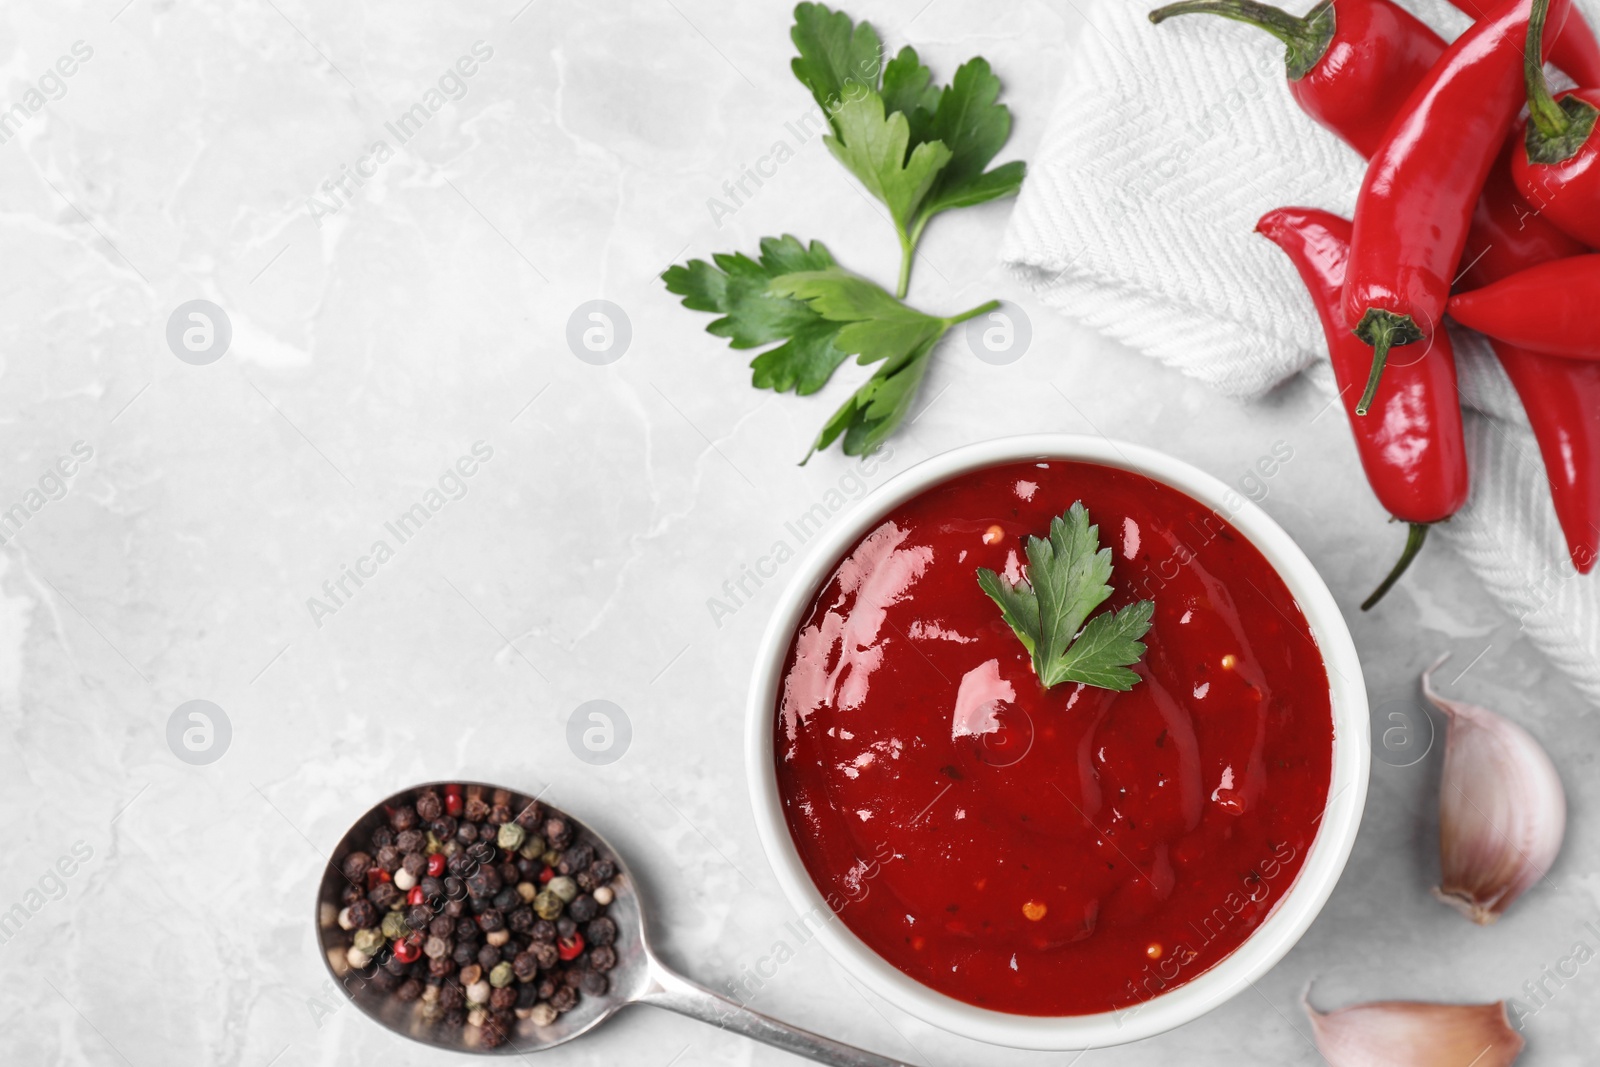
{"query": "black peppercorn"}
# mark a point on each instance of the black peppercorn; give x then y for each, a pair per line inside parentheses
(531, 816)
(575, 859)
(564, 999)
(393, 965)
(388, 858)
(403, 818)
(571, 977)
(455, 908)
(602, 958)
(481, 851)
(484, 882)
(503, 999)
(356, 865)
(594, 984)
(491, 920)
(429, 806)
(414, 863)
(411, 841)
(466, 930)
(385, 982)
(601, 931)
(527, 995)
(352, 893)
(444, 827)
(507, 899)
(381, 836)
(409, 990)
(442, 926)
(509, 874)
(494, 1032)
(363, 913)
(432, 889)
(586, 881)
(454, 888)
(452, 996)
(543, 930)
(547, 987)
(477, 810)
(466, 952)
(419, 916)
(441, 967)
(525, 966)
(583, 908)
(565, 928)
(557, 832)
(488, 956)
(527, 870)
(460, 865)
(521, 919)
(602, 871)
(546, 953)
(467, 833)
(500, 814)
(456, 1017)
(384, 896)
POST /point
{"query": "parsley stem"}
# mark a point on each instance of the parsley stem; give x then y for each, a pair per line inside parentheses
(908, 250)
(981, 309)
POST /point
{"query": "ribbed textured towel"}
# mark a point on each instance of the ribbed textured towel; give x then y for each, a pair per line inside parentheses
(1167, 144)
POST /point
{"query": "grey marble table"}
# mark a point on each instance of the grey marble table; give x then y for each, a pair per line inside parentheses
(394, 309)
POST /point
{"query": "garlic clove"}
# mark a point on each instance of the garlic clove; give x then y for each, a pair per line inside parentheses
(1502, 813)
(1399, 1033)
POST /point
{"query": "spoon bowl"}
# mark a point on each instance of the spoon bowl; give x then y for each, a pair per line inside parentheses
(639, 977)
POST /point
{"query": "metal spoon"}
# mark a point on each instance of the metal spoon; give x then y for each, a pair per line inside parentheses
(638, 978)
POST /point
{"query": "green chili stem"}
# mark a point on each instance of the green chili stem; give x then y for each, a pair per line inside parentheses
(1543, 111)
(1414, 539)
(1305, 40)
(1383, 330)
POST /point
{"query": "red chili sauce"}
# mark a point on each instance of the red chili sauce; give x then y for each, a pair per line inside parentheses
(1066, 851)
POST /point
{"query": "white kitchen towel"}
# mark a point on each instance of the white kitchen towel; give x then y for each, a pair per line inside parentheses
(1166, 145)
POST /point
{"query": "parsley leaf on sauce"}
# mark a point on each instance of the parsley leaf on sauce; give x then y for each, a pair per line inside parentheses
(1066, 581)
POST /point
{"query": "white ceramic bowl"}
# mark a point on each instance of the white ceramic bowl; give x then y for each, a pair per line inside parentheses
(1295, 911)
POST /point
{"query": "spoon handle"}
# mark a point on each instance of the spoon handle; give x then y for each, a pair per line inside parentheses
(672, 991)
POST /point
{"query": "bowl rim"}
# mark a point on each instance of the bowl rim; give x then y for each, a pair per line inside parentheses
(1296, 909)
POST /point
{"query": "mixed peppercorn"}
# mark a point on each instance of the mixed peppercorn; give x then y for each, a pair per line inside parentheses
(478, 914)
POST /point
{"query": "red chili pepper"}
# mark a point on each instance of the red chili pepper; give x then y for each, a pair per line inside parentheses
(1411, 445)
(416, 896)
(436, 864)
(1574, 49)
(1561, 396)
(376, 875)
(1417, 200)
(1547, 308)
(570, 948)
(545, 875)
(1350, 65)
(452, 801)
(408, 949)
(1357, 81)
(1557, 161)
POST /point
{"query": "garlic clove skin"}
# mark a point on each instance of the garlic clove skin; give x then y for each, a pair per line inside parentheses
(1502, 813)
(1399, 1033)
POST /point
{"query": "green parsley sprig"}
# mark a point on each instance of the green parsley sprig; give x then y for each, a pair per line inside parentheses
(1066, 581)
(921, 149)
(823, 314)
